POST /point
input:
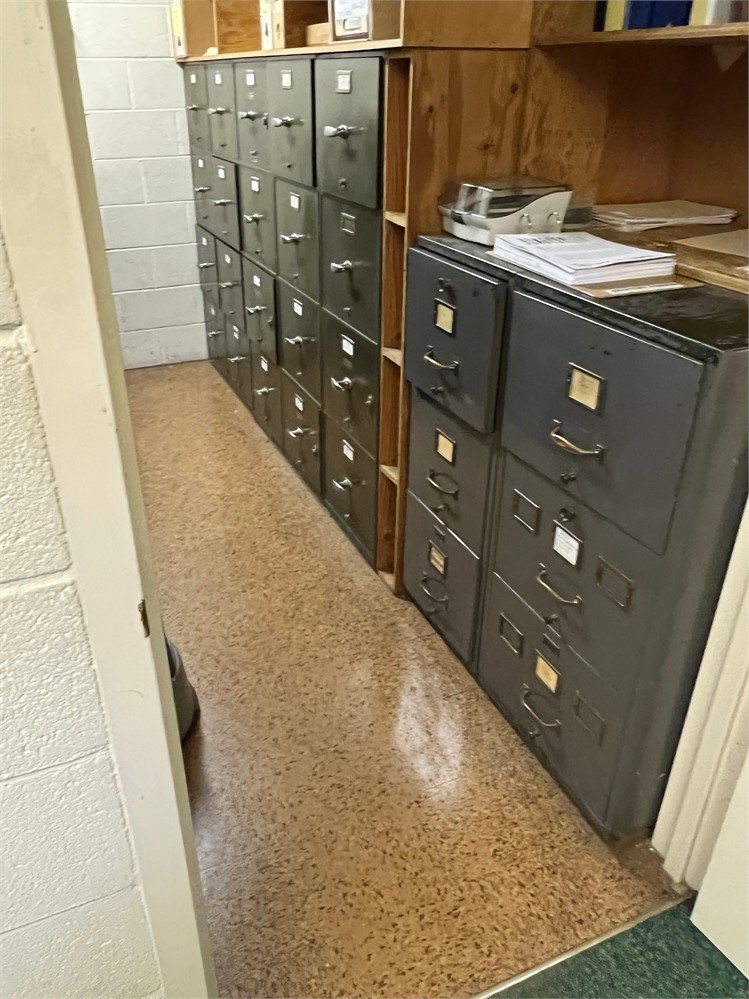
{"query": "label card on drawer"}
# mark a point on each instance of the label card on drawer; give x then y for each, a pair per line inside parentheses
(348, 450)
(445, 448)
(585, 388)
(227, 258)
(348, 223)
(444, 316)
(249, 78)
(343, 81)
(437, 559)
(254, 183)
(298, 307)
(295, 201)
(201, 163)
(546, 673)
(566, 545)
(235, 331)
(204, 240)
(263, 364)
(347, 345)
(256, 280)
(193, 77)
(286, 80)
(299, 403)
(218, 78)
(222, 173)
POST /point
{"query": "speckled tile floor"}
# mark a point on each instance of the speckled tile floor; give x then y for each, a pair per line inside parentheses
(367, 823)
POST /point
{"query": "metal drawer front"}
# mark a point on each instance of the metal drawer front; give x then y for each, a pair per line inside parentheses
(350, 369)
(597, 584)
(252, 114)
(222, 115)
(351, 264)
(238, 361)
(266, 388)
(297, 234)
(290, 119)
(569, 716)
(603, 413)
(449, 469)
(299, 347)
(196, 103)
(301, 437)
(260, 310)
(215, 330)
(442, 577)
(257, 216)
(347, 115)
(454, 320)
(350, 484)
(224, 210)
(202, 185)
(211, 306)
(207, 264)
(230, 294)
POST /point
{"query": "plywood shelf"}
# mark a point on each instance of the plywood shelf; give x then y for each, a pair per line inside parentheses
(391, 472)
(397, 218)
(394, 355)
(388, 579)
(698, 34)
(359, 46)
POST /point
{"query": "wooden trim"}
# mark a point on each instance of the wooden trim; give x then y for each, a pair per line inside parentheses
(697, 34)
(394, 355)
(391, 471)
(359, 46)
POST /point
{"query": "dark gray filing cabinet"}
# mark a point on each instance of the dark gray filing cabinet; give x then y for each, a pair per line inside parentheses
(223, 215)
(257, 215)
(260, 309)
(207, 264)
(253, 133)
(350, 369)
(239, 367)
(297, 230)
(290, 118)
(215, 335)
(350, 485)
(202, 185)
(221, 112)
(196, 103)
(350, 264)
(266, 389)
(231, 300)
(299, 346)
(347, 116)
(301, 431)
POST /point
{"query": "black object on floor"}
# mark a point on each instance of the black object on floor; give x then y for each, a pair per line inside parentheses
(185, 699)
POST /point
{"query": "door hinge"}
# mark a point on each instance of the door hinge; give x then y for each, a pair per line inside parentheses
(144, 618)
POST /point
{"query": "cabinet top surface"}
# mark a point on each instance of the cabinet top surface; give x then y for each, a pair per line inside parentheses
(701, 322)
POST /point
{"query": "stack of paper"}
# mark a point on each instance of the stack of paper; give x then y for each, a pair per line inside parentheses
(578, 258)
(653, 215)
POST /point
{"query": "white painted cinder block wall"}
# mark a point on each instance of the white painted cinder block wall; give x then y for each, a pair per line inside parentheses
(72, 917)
(134, 102)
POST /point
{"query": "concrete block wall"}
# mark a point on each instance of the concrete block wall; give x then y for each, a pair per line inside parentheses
(72, 915)
(134, 102)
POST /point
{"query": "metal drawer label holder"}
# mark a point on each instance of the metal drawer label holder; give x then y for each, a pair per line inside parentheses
(445, 447)
(585, 388)
(566, 545)
(437, 559)
(546, 673)
(444, 317)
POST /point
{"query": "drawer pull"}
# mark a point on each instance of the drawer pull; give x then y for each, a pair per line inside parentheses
(344, 485)
(423, 584)
(228, 284)
(193, 107)
(567, 601)
(341, 268)
(256, 217)
(525, 701)
(213, 333)
(286, 122)
(296, 341)
(572, 448)
(235, 360)
(250, 115)
(298, 432)
(340, 131)
(219, 110)
(252, 310)
(220, 202)
(440, 365)
(205, 266)
(344, 385)
(264, 391)
(441, 489)
(292, 237)
(201, 190)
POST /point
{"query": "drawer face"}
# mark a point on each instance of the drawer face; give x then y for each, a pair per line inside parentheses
(449, 467)
(347, 123)
(454, 320)
(570, 717)
(251, 87)
(230, 294)
(290, 119)
(207, 265)
(350, 484)
(351, 374)
(215, 330)
(299, 346)
(442, 576)
(202, 185)
(196, 86)
(224, 214)
(598, 584)
(211, 306)
(297, 232)
(266, 388)
(238, 359)
(196, 103)
(351, 238)
(257, 215)
(260, 309)
(575, 384)
(301, 437)
(222, 112)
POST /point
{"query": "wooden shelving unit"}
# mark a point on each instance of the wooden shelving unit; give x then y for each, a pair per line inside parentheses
(710, 34)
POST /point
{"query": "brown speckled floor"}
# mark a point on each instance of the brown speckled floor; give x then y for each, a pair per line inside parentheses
(367, 823)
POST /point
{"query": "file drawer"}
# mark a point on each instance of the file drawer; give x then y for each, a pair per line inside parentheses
(230, 295)
(350, 484)
(568, 715)
(266, 389)
(238, 361)
(301, 438)
(442, 576)
(297, 230)
(290, 119)
(202, 186)
(260, 309)
(449, 467)
(594, 583)
(207, 264)
(603, 413)
(351, 238)
(350, 367)
(299, 346)
(215, 332)
(257, 216)
(222, 118)
(253, 135)
(347, 116)
(454, 321)
(196, 103)
(224, 215)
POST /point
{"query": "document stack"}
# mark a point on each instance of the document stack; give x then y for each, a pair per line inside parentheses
(655, 214)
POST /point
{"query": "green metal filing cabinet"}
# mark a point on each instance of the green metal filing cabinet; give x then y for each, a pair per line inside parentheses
(299, 347)
(260, 309)
(297, 229)
(290, 111)
(222, 119)
(351, 251)
(301, 431)
(257, 216)
(196, 100)
(253, 137)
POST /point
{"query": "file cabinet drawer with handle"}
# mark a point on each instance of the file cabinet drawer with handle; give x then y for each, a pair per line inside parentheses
(350, 368)
(299, 346)
(347, 116)
(351, 239)
(207, 260)
(449, 465)
(253, 134)
(222, 119)
(350, 484)
(266, 390)
(238, 361)
(290, 119)
(454, 322)
(196, 105)
(202, 186)
(301, 431)
(260, 314)
(297, 229)
(230, 295)
(215, 333)
(442, 576)
(223, 208)
(257, 216)
(604, 414)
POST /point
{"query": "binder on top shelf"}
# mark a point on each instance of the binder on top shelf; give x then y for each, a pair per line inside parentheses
(657, 13)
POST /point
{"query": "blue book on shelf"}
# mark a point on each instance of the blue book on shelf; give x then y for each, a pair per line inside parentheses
(657, 13)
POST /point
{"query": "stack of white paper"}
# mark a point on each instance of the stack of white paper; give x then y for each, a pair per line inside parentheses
(653, 215)
(578, 258)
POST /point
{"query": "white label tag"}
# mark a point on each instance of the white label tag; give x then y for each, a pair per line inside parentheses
(443, 317)
(445, 447)
(566, 545)
(343, 81)
(227, 258)
(299, 403)
(298, 307)
(286, 81)
(295, 201)
(348, 223)
(193, 77)
(584, 388)
(547, 674)
(249, 78)
(204, 240)
(222, 173)
(348, 451)
(235, 331)
(254, 183)
(218, 78)
(263, 364)
(213, 310)
(347, 345)
(256, 280)
(201, 163)
(437, 559)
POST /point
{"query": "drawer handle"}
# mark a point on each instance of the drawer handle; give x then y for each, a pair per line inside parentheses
(201, 190)
(219, 110)
(567, 601)
(292, 237)
(440, 365)
(296, 341)
(256, 217)
(525, 700)
(340, 131)
(205, 266)
(341, 268)
(344, 385)
(213, 333)
(219, 202)
(572, 448)
(264, 391)
(344, 485)
(252, 310)
(423, 584)
(193, 107)
(298, 432)
(286, 122)
(441, 489)
(235, 360)
(228, 284)
(250, 115)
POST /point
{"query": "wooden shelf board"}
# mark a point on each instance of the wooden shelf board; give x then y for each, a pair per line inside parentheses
(390, 472)
(388, 579)
(397, 218)
(394, 354)
(359, 46)
(698, 34)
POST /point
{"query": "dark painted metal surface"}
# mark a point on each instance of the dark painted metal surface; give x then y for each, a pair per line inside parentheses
(350, 484)
(297, 228)
(231, 299)
(253, 133)
(222, 119)
(223, 214)
(299, 346)
(290, 119)
(350, 264)
(302, 442)
(257, 215)
(260, 310)
(266, 388)
(196, 103)
(350, 383)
